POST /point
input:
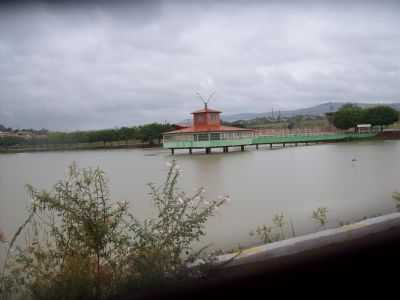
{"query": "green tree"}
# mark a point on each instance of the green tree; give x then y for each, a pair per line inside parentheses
(348, 116)
(11, 141)
(381, 115)
(329, 117)
(127, 133)
(150, 132)
(147, 133)
(291, 125)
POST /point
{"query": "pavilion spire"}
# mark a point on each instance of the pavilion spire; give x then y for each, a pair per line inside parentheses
(205, 101)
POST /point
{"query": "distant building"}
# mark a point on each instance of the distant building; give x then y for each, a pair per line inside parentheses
(8, 134)
(207, 126)
(363, 128)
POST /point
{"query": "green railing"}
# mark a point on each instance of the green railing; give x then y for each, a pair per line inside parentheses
(269, 140)
(298, 138)
(208, 144)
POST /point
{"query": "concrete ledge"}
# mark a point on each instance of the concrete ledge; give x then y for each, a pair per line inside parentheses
(334, 260)
(311, 241)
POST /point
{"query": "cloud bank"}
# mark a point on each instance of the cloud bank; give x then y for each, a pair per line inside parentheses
(98, 65)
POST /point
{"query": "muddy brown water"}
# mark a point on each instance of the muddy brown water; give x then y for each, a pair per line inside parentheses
(353, 180)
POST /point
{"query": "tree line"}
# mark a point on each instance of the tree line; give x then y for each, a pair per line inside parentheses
(16, 130)
(350, 115)
(148, 133)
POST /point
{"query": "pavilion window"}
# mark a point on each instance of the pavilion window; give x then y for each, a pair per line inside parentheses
(202, 137)
(215, 137)
(228, 135)
(183, 137)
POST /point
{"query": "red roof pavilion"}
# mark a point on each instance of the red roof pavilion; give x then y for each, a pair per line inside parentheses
(207, 120)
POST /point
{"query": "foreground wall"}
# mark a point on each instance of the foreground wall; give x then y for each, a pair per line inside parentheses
(362, 258)
(312, 241)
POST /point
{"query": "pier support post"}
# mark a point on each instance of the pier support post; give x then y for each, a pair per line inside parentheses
(256, 146)
(190, 150)
(208, 150)
(172, 151)
(284, 145)
(270, 146)
(242, 148)
(227, 149)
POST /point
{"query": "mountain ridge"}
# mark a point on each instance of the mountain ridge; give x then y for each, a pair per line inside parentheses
(316, 110)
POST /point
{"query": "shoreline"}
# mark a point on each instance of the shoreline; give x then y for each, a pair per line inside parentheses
(385, 135)
(74, 147)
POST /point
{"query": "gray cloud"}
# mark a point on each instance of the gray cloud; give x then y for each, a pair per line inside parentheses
(97, 65)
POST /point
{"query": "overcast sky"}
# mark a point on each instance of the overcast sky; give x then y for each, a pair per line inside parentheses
(89, 66)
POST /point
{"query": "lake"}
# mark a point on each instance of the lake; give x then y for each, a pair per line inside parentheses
(352, 180)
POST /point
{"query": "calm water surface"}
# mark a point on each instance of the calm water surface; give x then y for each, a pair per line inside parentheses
(293, 181)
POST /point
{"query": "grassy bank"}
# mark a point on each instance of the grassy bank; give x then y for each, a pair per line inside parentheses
(77, 146)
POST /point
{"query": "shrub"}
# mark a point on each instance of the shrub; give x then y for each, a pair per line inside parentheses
(2, 237)
(268, 234)
(320, 215)
(82, 245)
(277, 232)
(396, 197)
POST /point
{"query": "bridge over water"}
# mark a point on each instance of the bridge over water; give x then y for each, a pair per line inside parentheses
(266, 140)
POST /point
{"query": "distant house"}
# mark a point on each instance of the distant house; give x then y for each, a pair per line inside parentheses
(364, 128)
(7, 134)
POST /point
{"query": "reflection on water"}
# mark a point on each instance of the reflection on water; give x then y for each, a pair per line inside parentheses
(352, 180)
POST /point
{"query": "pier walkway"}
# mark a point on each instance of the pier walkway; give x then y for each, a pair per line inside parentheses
(265, 140)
